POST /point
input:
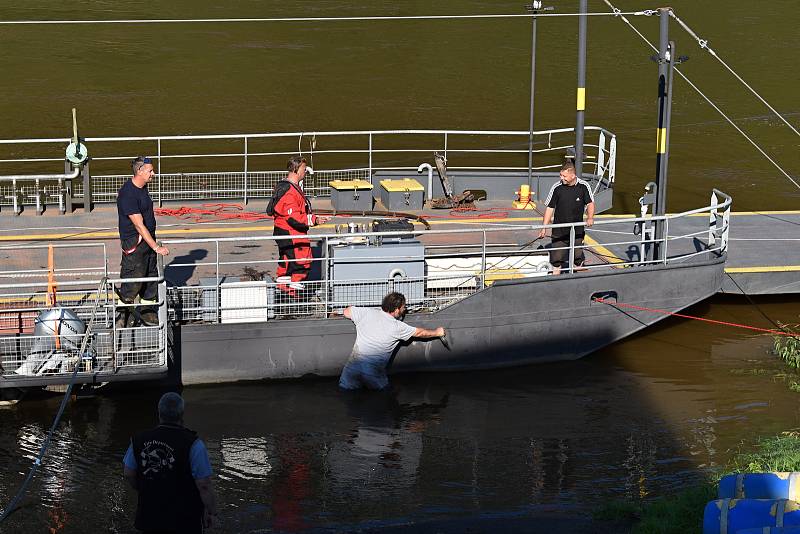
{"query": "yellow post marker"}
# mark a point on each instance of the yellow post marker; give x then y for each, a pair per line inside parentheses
(524, 202)
(661, 140)
(581, 99)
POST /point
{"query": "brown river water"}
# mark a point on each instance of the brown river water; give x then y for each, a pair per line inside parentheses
(637, 420)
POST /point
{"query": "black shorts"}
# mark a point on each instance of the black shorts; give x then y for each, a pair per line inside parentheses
(560, 258)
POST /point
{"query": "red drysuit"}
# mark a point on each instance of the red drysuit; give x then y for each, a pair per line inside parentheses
(292, 212)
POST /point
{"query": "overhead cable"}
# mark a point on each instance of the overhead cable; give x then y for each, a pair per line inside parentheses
(710, 102)
(646, 13)
(703, 43)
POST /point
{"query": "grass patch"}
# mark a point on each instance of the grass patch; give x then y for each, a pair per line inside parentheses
(678, 513)
(787, 348)
(683, 512)
(779, 453)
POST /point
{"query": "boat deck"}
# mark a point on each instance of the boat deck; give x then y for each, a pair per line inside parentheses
(763, 257)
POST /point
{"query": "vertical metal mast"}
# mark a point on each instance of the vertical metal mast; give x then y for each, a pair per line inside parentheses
(666, 59)
(533, 7)
(581, 101)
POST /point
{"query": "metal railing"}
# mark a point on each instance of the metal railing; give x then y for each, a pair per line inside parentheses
(28, 352)
(471, 260)
(242, 166)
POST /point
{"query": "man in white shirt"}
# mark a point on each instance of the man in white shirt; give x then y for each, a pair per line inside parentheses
(377, 334)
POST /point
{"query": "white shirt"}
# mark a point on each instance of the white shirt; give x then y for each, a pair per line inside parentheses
(377, 335)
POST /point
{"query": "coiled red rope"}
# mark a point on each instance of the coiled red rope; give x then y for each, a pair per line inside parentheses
(684, 316)
(212, 213)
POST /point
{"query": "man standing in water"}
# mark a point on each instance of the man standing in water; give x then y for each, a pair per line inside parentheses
(169, 468)
(137, 234)
(293, 217)
(378, 332)
(567, 200)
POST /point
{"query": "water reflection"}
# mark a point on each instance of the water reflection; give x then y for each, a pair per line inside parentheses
(246, 458)
(640, 419)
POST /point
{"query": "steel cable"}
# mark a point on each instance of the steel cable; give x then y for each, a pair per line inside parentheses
(703, 43)
(710, 102)
(46, 443)
(646, 13)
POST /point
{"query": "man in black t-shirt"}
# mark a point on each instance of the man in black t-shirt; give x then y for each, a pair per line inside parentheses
(137, 235)
(566, 202)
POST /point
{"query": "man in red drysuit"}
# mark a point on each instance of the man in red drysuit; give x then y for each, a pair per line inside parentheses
(293, 217)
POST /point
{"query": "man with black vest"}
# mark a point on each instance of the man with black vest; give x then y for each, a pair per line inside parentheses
(169, 468)
(566, 202)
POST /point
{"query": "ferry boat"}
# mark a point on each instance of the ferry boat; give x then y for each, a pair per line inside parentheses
(481, 273)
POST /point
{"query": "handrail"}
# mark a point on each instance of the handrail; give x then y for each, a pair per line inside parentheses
(510, 226)
(297, 134)
(14, 177)
(80, 283)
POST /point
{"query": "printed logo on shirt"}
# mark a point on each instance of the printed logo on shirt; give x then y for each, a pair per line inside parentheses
(157, 457)
(290, 211)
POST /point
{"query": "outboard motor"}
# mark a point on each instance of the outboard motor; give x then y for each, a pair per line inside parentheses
(58, 333)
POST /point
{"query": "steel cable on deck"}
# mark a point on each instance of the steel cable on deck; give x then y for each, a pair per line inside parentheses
(621, 15)
(703, 43)
(46, 443)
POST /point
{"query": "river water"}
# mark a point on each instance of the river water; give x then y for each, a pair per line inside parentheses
(637, 420)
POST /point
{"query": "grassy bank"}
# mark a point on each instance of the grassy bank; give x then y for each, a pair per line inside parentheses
(683, 512)
(787, 348)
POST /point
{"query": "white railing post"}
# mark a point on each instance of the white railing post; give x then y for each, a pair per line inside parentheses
(712, 220)
(160, 202)
(244, 194)
(445, 147)
(370, 157)
(325, 268)
(601, 155)
(666, 238)
(612, 160)
(572, 249)
(726, 218)
(245, 172)
(483, 260)
(218, 288)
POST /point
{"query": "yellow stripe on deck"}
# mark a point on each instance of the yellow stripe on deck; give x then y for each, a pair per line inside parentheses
(764, 269)
(610, 256)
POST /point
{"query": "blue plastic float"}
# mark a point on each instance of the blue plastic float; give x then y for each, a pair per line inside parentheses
(761, 486)
(729, 516)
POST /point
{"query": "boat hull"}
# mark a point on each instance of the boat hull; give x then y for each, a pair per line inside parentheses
(513, 322)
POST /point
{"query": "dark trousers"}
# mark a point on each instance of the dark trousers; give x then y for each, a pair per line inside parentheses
(560, 258)
(141, 263)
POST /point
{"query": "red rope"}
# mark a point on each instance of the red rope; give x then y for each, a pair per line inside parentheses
(473, 213)
(684, 316)
(212, 213)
